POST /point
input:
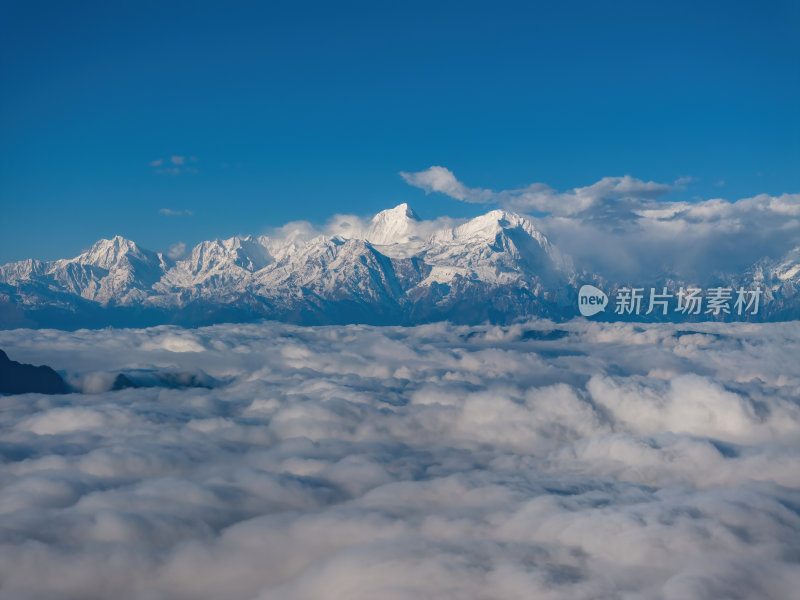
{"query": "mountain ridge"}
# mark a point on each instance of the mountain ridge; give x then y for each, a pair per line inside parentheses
(398, 270)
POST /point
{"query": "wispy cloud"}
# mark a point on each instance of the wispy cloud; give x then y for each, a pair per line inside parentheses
(539, 197)
(441, 179)
(174, 165)
(177, 251)
(175, 213)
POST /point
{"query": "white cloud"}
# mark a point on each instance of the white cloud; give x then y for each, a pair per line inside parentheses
(177, 251)
(694, 240)
(624, 228)
(435, 461)
(162, 167)
(610, 193)
(539, 197)
(440, 179)
(175, 213)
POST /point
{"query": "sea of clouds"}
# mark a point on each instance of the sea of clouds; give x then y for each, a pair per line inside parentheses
(268, 461)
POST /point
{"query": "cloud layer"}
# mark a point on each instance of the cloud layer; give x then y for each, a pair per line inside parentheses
(598, 460)
(626, 228)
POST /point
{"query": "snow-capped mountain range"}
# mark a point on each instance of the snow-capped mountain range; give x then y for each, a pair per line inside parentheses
(398, 270)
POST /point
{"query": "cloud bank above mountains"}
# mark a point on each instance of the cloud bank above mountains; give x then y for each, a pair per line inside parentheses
(624, 227)
(592, 460)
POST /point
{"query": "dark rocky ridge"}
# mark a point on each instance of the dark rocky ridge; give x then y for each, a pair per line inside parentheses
(19, 378)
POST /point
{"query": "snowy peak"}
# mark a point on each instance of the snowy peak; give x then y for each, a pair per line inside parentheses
(109, 254)
(776, 272)
(335, 269)
(112, 271)
(394, 226)
(247, 253)
(402, 211)
(499, 247)
(488, 226)
(788, 268)
(21, 270)
(218, 263)
(495, 227)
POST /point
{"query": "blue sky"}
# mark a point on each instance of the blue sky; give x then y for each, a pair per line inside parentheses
(300, 110)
